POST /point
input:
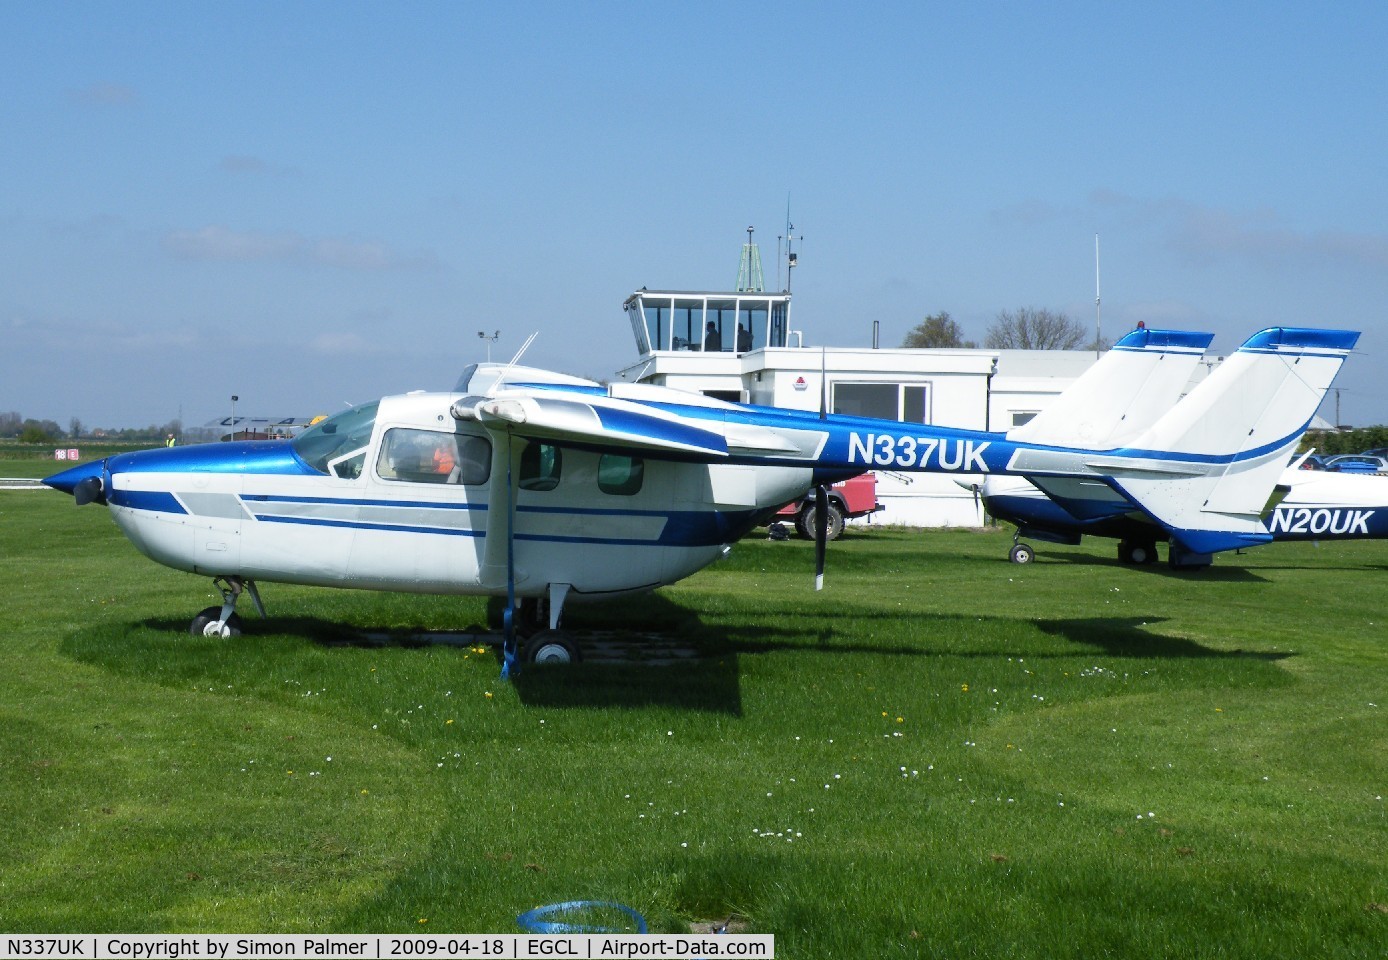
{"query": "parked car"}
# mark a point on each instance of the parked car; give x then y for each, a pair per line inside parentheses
(856, 497)
(1357, 463)
(1314, 461)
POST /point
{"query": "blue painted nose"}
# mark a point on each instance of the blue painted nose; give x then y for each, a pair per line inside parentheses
(84, 482)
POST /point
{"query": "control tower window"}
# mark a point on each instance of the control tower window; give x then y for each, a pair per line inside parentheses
(720, 326)
(751, 325)
(658, 323)
(779, 311)
(688, 325)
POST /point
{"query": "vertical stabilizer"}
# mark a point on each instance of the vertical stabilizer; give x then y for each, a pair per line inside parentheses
(1207, 468)
(1126, 391)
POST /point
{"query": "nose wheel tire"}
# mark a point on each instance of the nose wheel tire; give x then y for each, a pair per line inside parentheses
(208, 624)
(1021, 553)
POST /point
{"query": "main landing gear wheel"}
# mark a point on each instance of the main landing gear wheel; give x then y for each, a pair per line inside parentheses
(1139, 552)
(552, 646)
(209, 623)
(1021, 553)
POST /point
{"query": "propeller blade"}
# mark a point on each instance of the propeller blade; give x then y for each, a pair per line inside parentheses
(821, 533)
(88, 491)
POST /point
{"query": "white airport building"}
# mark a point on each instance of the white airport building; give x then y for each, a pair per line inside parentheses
(741, 346)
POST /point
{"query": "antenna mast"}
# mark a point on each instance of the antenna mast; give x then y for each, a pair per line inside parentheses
(1098, 330)
(789, 250)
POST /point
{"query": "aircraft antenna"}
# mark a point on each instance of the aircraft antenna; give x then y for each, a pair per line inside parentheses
(1098, 330)
(496, 384)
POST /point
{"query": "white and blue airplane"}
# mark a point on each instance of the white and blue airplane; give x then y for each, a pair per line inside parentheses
(542, 488)
(1143, 377)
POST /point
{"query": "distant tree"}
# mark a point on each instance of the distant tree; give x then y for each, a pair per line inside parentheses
(74, 428)
(33, 432)
(1030, 329)
(10, 424)
(938, 330)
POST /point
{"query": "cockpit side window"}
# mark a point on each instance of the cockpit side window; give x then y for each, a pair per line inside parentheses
(432, 456)
(337, 445)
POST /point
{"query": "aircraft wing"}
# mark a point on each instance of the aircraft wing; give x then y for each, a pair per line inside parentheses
(618, 425)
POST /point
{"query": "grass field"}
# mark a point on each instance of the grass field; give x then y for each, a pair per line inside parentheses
(940, 755)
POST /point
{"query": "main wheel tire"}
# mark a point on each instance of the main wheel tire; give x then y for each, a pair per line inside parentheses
(1021, 553)
(205, 624)
(805, 525)
(1138, 552)
(552, 646)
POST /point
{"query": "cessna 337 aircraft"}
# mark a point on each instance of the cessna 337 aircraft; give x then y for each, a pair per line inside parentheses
(1143, 377)
(541, 487)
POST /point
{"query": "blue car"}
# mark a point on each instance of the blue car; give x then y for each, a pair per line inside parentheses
(1357, 463)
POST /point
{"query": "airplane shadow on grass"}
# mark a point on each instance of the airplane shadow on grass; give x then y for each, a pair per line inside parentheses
(1215, 573)
(649, 651)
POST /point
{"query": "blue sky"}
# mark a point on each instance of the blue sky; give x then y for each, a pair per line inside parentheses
(307, 204)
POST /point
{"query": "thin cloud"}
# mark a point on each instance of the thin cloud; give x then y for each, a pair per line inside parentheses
(104, 95)
(243, 164)
(101, 335)
(1263, 238)
(246, 165)
(337, 344)
(1203, 234)
(219, 244)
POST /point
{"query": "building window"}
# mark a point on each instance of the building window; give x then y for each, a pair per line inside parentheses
(620, 476)
(907, 402)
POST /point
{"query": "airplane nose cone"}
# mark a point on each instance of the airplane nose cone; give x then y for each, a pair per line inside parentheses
(84, 482)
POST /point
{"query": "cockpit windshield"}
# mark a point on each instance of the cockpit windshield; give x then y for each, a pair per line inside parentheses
(337, 445)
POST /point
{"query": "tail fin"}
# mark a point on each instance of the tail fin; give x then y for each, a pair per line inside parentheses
(1120, 396)
(1206, 469)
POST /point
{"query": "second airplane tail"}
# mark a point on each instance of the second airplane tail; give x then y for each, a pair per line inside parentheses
(1207, 468)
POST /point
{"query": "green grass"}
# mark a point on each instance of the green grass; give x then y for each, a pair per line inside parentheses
(1098, 760)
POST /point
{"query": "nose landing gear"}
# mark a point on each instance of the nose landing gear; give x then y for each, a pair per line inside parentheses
(223, 621)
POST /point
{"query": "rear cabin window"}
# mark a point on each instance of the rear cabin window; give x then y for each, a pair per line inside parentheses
(620, 476)
(431, 456)
(540, 467)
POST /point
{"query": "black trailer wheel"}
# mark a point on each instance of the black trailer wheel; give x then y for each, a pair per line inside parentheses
(805, 525)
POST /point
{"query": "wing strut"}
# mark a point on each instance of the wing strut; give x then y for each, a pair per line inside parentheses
(821, 491)
(510, 650)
